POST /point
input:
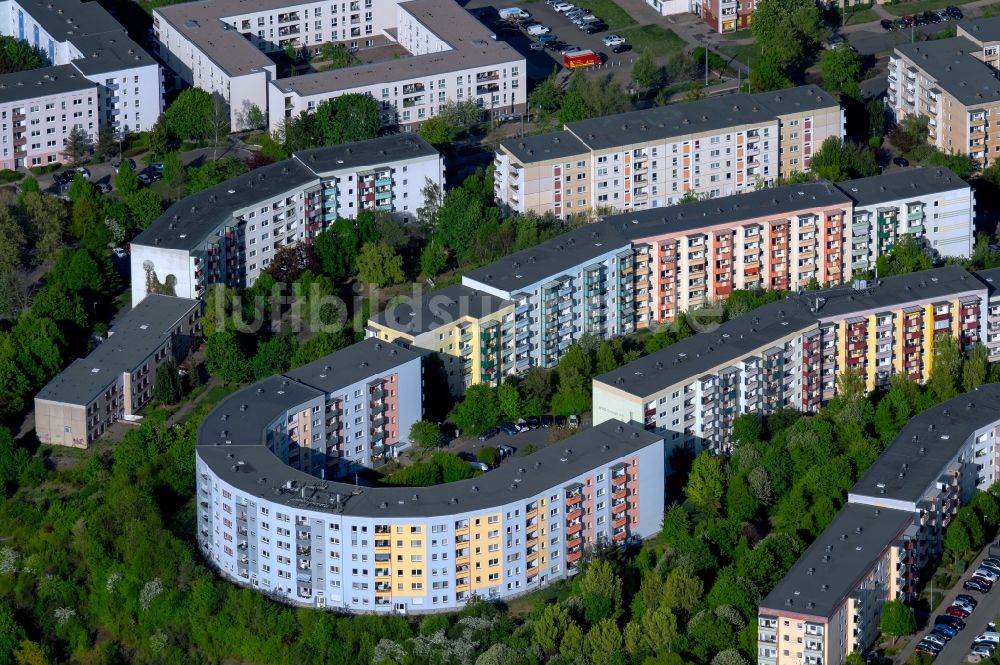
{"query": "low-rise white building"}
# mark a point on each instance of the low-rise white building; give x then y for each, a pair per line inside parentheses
(221, 47)
(228, 234)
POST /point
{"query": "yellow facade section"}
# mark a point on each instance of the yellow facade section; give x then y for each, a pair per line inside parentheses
(486, 550)
(955, 318)
(870, 351)
(409, 559)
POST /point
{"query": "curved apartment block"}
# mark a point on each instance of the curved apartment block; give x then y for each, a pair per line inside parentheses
(266, 522)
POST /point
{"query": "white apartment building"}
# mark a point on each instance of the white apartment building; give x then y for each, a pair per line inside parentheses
(221, 47)
(651, 158)
(38, 111)
(228, 234)
(84, 36)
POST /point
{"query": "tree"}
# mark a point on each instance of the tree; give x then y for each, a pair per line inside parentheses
(190, 116)
(645, 72)
(319, 345)
(167, 387)
(461, 115)
(433, 198)
(876, 117)
(547, 95)
(841, 70)
(572, 644)
(987, 507)
(158, 137)
(837, 160)
(478, 411)
(17, 55)
(897, 619)
(509, 398)
(489, 456)
(600, 591)
(107, 142)
(573, 108)
(225, 359)
(437, 131)
(12, 242)
(500, 654)
(379, 264)
(273, 356)
(254, 118)
(219, 122)
(946, 368)
(77, 145)
(767, 73)
(682, 590)
(603, 642)
(550, 626)
(213, 172)
(144, 206)
(433, 260)
(348, 118)
(975, 368)
(425, 434)
(791, 30)
(173, 173)
(706, 483)
(850, 386)
(905, 257)
(337, 55)
(607, 359)
(126, 181)
(337, 249)
(11, 634)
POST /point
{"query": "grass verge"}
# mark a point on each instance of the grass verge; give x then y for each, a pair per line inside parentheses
(660, 41)
(859, 15)
(745, 53)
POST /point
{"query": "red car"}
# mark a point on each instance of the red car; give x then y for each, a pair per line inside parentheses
(908, 21)
(957, 612)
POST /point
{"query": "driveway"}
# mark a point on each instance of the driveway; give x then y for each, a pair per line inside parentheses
(956, 650)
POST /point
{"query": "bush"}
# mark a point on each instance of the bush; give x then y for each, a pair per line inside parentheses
(6, 175)
(489, 455)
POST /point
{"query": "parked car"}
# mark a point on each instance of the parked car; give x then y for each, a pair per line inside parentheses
(154, 175)
(594, 28)
(954, 12)
(480, 466)
(967, 598)
(963, 605)
(887, 25)
(928, 647)
(488, 434)
(933, 17)
(534, 422)
(538, 29)
(82, 170)
(535, 46)
(936, 639)
(506, 451)
(119, 252)
(621, 48)
(957, 612)
(103, 187)
(982, 571)
(574, 421)
(546, 421)
(555, 46)
(900, 161)
(143, 179)
(975, 585)
(988, 647)
(613, 40)
(563, 7)
(545, 39)
(510, 429)
(116, 164)
(947, 620)
(156, 167)
(947, 631)
(919, 20)
(989, 636)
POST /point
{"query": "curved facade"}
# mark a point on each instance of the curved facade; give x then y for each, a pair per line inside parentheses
(266, 524)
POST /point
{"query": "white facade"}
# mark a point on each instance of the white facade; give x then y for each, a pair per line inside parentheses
(85, 36)
(221, 46)
(230, 233)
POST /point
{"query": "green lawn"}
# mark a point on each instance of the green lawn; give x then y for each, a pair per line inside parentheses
(660, 41)
(609, 12)
(855, 16)
(745, 53)
(991, 10)
(904, 8)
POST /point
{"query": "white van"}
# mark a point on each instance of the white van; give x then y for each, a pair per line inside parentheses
(989, 636)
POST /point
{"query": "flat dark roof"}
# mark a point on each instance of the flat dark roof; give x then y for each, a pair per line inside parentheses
(35, 83)
(68, 20)
(188, 222)
(734, 209)
(437, 308)
(922, 449)
(111, 52)
(705, 115)
(247, 465)
(550, 258)
(352, 364)
(951, 64)
(543, 147)
(734, 339)
(902, 184)
(137, 335)
(390, 148)
(830, 568)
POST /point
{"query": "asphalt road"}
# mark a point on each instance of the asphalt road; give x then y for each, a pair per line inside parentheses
(870, 38)
(958, 648)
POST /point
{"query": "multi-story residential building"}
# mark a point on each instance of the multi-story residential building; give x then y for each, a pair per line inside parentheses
(789, 353)
(471, 331)
(221, 46)
(269, 526)
(577, 283)
(688, 256)
(652, 158)
(85, 36)
(953, 83)
(38, 112)
(888, 536)
(349, 410)
(991, 278)
(228, 234)
(116, 379)
(933, 205)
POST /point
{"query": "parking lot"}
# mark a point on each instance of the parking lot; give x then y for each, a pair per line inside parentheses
(541, 63)
(986, 612)
(523, 442)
